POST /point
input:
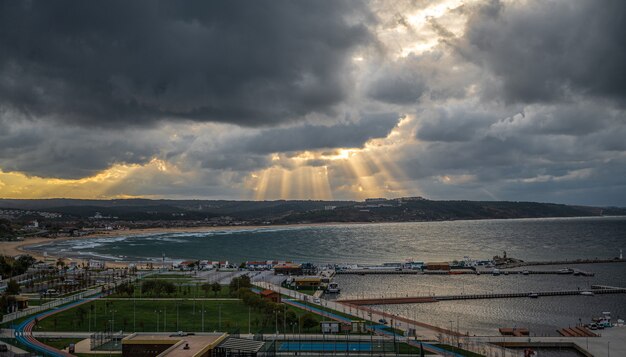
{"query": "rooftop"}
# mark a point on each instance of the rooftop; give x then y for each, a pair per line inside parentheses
(189, 345)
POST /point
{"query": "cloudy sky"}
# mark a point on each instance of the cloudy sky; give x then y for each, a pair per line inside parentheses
(450, 99)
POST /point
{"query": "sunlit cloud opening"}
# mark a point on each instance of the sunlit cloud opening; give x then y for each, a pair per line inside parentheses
(352, 173)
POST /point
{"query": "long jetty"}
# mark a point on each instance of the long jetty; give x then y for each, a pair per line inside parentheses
(458, 272)
(561, 262)
(595, 289)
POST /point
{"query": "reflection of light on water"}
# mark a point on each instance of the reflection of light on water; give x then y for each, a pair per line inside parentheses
(377, 243)
(541, 315)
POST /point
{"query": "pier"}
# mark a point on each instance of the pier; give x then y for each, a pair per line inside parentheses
(576, 272)
(595, 289)
(377, 271)
(562, 262)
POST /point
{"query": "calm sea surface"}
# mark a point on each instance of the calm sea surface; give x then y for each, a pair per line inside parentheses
(528, 239)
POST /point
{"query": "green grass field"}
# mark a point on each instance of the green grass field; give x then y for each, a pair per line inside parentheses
(234, 315)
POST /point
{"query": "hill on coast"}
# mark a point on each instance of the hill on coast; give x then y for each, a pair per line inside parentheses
(302, 211)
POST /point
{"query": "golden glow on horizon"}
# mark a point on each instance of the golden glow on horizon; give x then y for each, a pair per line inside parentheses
(105, 184)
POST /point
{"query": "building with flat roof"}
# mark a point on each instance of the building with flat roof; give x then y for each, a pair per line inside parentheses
(168, 345)
(308, 282)
(288, 269)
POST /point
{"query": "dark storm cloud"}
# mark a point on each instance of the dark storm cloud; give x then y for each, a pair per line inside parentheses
(547, 50)
(466, 137)
(397, 84)
(131, 63)
(310, 137)
(448, 124)
(45, 150)
(249, 151)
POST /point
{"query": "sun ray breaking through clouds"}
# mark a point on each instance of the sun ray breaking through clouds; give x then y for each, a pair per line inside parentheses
(382, 98)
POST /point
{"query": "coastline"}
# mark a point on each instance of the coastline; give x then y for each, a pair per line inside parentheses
(16, 248)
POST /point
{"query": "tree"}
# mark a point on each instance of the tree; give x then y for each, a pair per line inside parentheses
(206, 287)
(158, 287)
(291, 318)
(13, 288)
(125, 288)
(216, 287)
(239, 283)
(308, 321)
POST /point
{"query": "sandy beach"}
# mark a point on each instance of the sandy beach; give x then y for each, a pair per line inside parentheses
(20, 247)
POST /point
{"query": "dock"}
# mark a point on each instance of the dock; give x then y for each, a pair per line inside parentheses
(595, 289)
(576, 331)
(377, 271)
(561, 262)
(514, 331)
(575, 272)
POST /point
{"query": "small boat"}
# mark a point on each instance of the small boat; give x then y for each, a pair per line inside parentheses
(533, 295)
(587, 293)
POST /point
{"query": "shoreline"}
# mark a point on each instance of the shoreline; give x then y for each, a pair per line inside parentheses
(16, 248)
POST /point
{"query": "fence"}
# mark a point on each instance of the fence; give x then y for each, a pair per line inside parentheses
(50, 304)
(62, 301)
(98, 339)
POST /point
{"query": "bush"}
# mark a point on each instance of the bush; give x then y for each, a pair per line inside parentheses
(158, 287)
